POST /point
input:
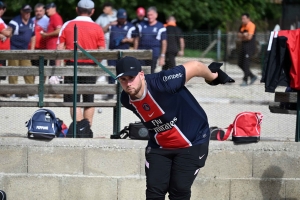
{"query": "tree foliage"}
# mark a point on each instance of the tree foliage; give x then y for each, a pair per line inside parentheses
(190, 14)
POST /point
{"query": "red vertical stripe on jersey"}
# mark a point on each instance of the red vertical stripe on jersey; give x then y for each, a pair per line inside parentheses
(148, 108)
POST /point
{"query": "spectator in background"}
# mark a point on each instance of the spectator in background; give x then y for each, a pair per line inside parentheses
(121, 37)
(86, 27)
(41, 22)
(5, 34)
(54, 26)
(247, 35)
(175, 42)
(23, 34)
(140, 16)
(105, 20)
(152, 35)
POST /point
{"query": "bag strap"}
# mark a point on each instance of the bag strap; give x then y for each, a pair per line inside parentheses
(124, 133)
(259, 117)
(227, 134)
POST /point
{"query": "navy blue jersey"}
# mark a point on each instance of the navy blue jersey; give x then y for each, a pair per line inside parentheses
(151, 36)
(170, 112)
(22, 33)
(118, 33)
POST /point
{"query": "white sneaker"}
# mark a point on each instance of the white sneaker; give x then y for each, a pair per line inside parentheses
(33, 97)
(13, 96)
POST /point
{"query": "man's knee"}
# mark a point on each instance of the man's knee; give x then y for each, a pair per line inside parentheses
(155, 190)
(175, 194)
(178, 191)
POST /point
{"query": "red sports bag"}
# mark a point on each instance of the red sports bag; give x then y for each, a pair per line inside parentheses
(245, 128)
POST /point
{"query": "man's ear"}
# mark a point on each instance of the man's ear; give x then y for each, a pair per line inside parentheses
(142, 74)
(92, 12)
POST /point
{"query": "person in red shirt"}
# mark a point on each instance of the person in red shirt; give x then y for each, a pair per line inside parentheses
(90, 36)
(5, 34)
(54, 26)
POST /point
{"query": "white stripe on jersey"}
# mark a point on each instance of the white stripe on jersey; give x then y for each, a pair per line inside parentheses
(129, 33)
(16, 32)
(161, 30)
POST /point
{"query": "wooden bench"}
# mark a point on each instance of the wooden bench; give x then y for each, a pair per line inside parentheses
(279, 106)
(41, 88)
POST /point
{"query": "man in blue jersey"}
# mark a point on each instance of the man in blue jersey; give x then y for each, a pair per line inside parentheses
(23, 35)
(152, 35)
(178, 126)
(140, 16)
(120, 37)
(122, 34)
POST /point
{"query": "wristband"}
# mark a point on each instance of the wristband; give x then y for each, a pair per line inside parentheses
(162, 55)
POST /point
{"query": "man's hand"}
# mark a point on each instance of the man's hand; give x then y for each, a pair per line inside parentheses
(211, 81)
(222, 77)
(113, 23)
(180, 53)
(43, 34)
(161, 61)
(213, 77)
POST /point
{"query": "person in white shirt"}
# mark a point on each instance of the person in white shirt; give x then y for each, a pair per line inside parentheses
(105, 20)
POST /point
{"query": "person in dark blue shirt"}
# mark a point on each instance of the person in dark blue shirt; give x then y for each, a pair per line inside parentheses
(121, 36)
(140, 16)
(178, 126)
(23, 35)
(23, 30)
(152, 35)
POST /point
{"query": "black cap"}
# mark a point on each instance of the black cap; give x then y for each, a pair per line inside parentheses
(128, 66)
(50, 5)
(26, 8)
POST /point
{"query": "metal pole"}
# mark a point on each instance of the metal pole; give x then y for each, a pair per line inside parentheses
(41, 81)
(117, 109)
(219, 46)
(75, 82)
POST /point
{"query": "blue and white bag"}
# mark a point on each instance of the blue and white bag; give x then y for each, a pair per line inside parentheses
(43, 124)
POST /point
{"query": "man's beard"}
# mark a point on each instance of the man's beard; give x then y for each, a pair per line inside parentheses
(134, 92)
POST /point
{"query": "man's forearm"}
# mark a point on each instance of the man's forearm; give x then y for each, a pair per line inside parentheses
(32, 43)
(136, 43)
(105, 28)
(7, 32)
(60, 46)
(54, 33)
(128, 40)
(182, 44)
(163, 47)
(198, 69)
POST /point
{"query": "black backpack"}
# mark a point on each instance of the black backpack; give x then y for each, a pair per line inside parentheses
(83, 130)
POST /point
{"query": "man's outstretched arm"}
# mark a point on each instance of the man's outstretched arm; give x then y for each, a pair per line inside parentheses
(198, 69)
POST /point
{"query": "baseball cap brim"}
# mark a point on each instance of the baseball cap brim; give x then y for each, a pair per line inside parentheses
(130, 73)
